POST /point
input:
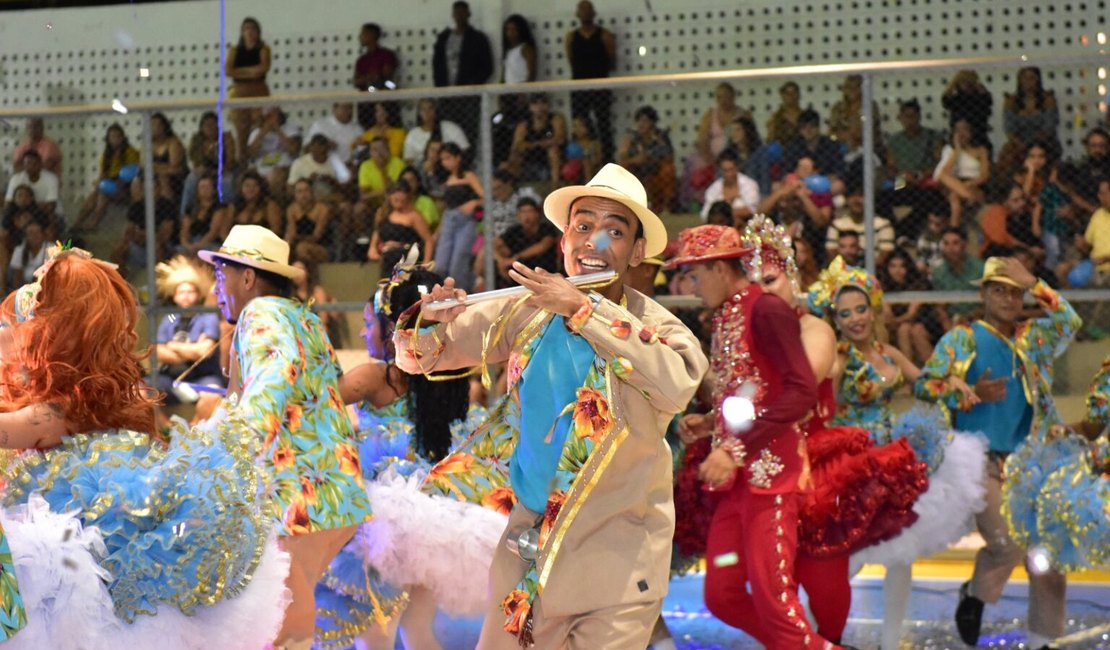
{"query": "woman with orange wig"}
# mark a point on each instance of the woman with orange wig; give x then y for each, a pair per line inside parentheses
(117, 538)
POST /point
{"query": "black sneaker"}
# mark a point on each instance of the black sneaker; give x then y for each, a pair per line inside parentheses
(969, 616)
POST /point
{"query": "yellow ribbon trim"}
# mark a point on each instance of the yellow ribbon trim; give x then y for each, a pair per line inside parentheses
(1017, 353)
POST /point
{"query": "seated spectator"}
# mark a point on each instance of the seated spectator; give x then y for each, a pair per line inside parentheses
(272, 148)
(168, 158)
(1081, 179)
(183, 339)
(583, 153)
(398, 225)
(913, 327)
(462, 194)
(376, 174)
(31, 254)
(423, 203)
(532, 242)
(827, 155)
(428, 127)
(966, 98)
(928, 247)
(49, 152)
(850, 219)
(430, 172)
(913, 153)
(791, 205)
(501, 206)
(341, 128)
(740, 192)
(1010, 225)
(847, 113)
(385, 123)
(204, 158)
(806, 263)
(306, 288)
(712, 138)
(118, 165)
(130, 252)
(963, 171)
(319, 166)
(783, 125)
(1029, 115)
(743, 139)
(253, 205)
(647, 153)
(720, 214)
(43, 185)
(536, 154)
(1039, 177)
(817, 205)
(248, 63)
(1095, 240)
(847, 247)
(960, 271)
(204, 225)
(306, 224)
(18, 213)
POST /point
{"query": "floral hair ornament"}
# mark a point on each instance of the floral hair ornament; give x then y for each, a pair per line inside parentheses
(401, 272)
(834, 280)
(771, 248)
(27, 296)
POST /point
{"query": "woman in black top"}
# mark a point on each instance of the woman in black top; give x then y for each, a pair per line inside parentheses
(306, 224)
(399, 225)
(248, 61)
(462, 194)
(913, 327)
(203, 225)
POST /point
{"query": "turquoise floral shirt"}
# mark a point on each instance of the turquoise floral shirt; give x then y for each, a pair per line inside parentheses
(1098, 396)
(1036, 344)
(863, 396)
(290, 395)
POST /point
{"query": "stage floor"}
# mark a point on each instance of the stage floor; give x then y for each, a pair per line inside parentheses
(929, 622)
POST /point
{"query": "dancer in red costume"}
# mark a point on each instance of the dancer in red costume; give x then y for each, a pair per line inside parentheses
(753, 536)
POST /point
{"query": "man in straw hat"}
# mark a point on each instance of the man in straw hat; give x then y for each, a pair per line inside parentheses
(1010, 365)
(596, 377)
(186, 342)
(758, 460)
(285, 375)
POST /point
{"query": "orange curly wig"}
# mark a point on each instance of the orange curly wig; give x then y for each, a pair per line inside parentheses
(78, 351)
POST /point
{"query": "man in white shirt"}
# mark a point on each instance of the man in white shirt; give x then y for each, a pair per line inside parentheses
(340, 127)
(272, 147)
(42, 182)
(740, 191)
(851, 220)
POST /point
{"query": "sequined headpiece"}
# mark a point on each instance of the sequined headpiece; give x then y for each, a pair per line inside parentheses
(708, 243)
(181, 270)
(837, 277)
(400, 273)
(27, 296)
(771, 248)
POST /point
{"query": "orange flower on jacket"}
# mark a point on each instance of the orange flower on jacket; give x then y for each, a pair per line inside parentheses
(500, 499)
(272, 425)
(516, 607)
(456, 463)
(591, 415)
(290, 373)
(296, 517)
(293, 415)
(283, 458)
(348, 460)
(308, 489)
(551, 513)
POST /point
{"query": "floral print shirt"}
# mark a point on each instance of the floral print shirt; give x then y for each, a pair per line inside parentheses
(863, 395)
(290, 395)
(13, 616)
(1098, 397)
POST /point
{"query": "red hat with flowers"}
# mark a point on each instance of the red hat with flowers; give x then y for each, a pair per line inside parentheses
(707, 243)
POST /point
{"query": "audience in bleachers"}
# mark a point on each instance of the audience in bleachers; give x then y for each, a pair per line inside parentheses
(462, 57)
(42, 184)
(204, 159)
(536, 154)
(272, 147)
(740, 192)
(47, 148)
(648, 153)
(248, 63)
(532, 241)
(307, 223)
(591, 52)
(119, 163)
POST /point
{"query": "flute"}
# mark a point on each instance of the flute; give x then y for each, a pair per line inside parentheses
(602, 278)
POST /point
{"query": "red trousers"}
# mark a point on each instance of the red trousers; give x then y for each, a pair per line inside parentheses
(826, 582)
(752, 542)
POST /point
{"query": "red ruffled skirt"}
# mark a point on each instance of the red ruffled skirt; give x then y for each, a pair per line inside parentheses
(862, 494)
(693, 506)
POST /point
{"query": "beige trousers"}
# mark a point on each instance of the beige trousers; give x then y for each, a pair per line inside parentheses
(995, 562)
(309, 557)
(621, 627)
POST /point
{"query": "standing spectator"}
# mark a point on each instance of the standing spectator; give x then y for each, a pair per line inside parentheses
(965, 98)
(583, 152)
(203, 226)
(374, 68)
(928, 248)
(964, 169)
(430, 176)
(341, 128)
(462, 194)
(827, 156)
(386, 124)
(47, 149)
(647, 153)
(850, 219)
(168, 156)
(248, 62)
(273, 147)
(783, 125)
(518, 63)
(399, 225)
(734, 188)
(376, 174)
(119, 162)
(430, 127)
(913, 326)
(1039, 178)
(423, 203)
(1081, 179)
(537, 149)
(847, 114)
(204, 157)
(1010, 225)
(958, 272)
(1029, 115)
(184, 339)
(501, 205)
(43, 185)
(592, 53)
(462, 57)
(31, 254)
(532, 242)
(253, 206)
(306, 224)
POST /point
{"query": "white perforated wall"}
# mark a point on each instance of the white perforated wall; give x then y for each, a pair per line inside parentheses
(57, 57)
